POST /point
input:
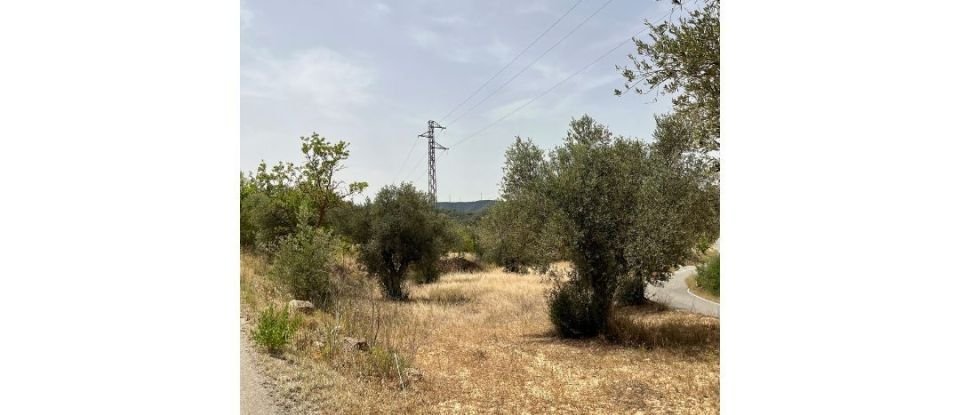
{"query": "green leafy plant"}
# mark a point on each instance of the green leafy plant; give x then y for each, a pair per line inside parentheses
(276, 201)
(519, 233)
(682, 59)
(708, 275)
(617, 208)
(275, 328)
(405, 231)
(303, 264)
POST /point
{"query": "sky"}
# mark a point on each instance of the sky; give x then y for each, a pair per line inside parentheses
(372, 73)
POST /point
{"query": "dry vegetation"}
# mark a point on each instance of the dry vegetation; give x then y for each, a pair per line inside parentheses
(481, 342)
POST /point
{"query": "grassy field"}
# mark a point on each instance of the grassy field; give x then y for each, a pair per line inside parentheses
(482, 343)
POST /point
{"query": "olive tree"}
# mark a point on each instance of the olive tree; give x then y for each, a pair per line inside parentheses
(515, 231)
(592, 180)
(404, 231)
(622, 213)
(682, 59)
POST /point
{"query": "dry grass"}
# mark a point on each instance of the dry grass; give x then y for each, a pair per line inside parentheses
(482, 343)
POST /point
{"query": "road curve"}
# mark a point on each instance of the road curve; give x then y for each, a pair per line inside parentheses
(675, 294)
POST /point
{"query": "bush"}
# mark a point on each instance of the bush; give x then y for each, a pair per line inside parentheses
(303, 264)
(512, 235)
(275, 328)
(426, 273)
(270, 218)
(632, 291)
(405, 231)
(575, 312)
(247, 228)
(708, 275)
(458, 264)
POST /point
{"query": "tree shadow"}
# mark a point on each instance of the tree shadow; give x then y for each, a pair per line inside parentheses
(650, 327)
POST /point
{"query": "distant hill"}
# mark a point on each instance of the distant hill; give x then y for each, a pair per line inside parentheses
(476, 206)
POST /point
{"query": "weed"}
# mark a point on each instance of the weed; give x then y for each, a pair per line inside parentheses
(275, 328)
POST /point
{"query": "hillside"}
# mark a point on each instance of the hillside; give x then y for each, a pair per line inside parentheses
(476, 206)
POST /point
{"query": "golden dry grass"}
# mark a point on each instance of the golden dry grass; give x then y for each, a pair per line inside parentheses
(482, 343)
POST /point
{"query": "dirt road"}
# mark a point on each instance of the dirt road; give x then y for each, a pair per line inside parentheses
(254, 399)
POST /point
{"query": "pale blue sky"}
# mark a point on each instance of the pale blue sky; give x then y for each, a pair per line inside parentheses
(373, 72)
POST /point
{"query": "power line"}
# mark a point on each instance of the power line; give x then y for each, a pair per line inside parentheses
(571, 32)
(511, 61)
(414, 168)
(552, 87)
(405, 160)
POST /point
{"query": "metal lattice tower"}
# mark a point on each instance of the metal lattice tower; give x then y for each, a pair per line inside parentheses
(432, 146)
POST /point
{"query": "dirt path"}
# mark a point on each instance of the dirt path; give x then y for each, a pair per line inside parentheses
(254, 399)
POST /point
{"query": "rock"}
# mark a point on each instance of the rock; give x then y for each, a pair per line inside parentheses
(413, 373)
(301, 306)
(351, 344)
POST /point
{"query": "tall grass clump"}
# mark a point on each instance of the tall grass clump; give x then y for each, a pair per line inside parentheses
(275, 328)
(708, 275)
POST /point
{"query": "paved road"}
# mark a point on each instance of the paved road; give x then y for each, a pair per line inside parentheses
(254, 399)
(674, 293)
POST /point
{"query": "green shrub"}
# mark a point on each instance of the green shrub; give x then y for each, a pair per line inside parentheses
(632, 291)
(303, 263)
(575, 312)
(512, 235)
(405, 230)
(271, 218)
(275, 328)
(247, 228)
(708, 275)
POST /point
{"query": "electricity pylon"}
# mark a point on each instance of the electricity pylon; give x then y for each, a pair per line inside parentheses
(432, 146)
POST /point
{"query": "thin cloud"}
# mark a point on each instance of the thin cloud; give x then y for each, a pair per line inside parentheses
(246, 15)
(425, 38)
(448, 47)
(382, 8)
(452, 20)
(500, 51)
(318, 77)
(533, 8)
